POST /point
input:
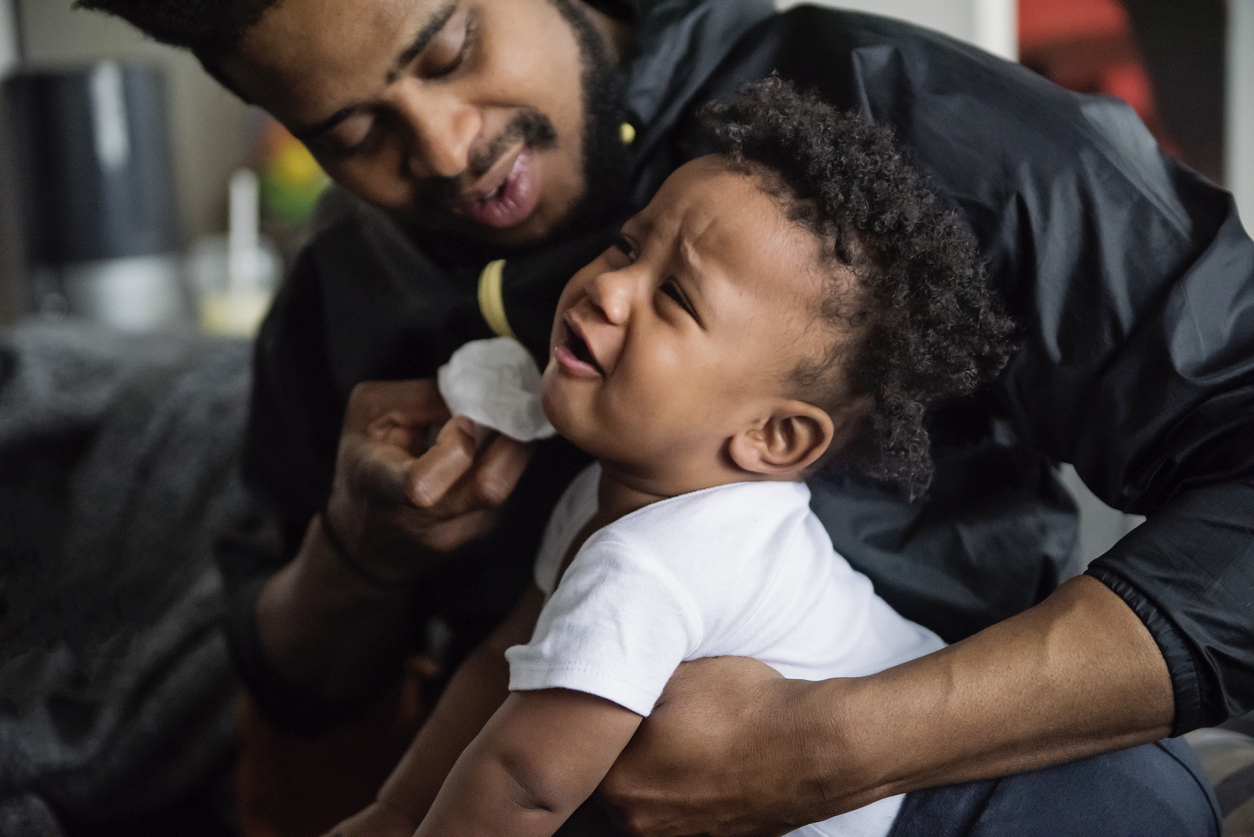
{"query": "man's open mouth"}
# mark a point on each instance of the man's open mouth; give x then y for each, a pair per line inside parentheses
(511, 200)
(501, 185)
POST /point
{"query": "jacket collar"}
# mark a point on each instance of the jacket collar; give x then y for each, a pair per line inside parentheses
(680, 44)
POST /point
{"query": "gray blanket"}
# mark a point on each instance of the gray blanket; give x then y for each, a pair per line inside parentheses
(118, 469)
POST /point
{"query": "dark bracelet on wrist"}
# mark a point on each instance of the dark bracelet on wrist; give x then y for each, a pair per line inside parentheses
(346, 558)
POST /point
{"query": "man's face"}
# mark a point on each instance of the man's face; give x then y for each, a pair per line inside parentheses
(686, 330)
(465, 115)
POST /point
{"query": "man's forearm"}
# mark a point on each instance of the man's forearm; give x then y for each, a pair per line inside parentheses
(326, 629)
(1075, 676)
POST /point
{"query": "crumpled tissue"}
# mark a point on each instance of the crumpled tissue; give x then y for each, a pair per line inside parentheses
(496, 384)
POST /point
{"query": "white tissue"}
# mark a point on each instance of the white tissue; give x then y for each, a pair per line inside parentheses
(496, 383)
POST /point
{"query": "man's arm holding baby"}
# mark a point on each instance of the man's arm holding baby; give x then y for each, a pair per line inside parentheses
(733, 748)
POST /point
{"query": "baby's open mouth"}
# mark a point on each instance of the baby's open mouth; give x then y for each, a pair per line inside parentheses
(579, 348)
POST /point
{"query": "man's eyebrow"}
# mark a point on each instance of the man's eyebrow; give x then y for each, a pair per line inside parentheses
(425, 35)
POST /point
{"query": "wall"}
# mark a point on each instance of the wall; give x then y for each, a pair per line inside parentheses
(1240, 96)
(11, 300)
(8, 36)
(988, 23)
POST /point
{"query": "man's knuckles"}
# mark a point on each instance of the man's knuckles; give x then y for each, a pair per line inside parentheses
(493, 488)
(404, 403)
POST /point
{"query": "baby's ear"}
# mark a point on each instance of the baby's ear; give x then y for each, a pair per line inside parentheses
(788, 441)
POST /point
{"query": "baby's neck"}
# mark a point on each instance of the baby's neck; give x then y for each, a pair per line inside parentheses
(617, 497)
(620, 493)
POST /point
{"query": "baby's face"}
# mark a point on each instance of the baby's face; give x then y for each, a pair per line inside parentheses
(666, 344)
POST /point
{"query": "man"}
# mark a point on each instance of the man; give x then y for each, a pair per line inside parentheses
(501, 129)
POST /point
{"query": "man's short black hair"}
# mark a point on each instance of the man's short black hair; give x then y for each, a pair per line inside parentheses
(210, 29)
(912, 293)
(213, 29)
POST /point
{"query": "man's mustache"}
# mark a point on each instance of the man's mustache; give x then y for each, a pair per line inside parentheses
(529, 125)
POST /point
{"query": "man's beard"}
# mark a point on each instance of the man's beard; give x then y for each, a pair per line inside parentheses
(605, 157)
(604, 161)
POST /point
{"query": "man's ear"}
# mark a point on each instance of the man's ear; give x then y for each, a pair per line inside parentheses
(788, 441)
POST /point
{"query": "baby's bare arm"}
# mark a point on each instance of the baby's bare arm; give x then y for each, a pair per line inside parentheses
(477, 690)
(541, 755)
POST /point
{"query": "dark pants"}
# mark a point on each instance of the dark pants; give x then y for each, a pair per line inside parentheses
(1157, 790)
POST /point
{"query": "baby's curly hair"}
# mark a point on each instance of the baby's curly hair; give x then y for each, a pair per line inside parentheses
(923, 320)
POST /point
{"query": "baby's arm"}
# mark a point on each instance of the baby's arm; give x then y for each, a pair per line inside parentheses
(476, 691)
(536, 760)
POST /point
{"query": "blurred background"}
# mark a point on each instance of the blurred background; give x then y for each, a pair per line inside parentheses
(117, 193)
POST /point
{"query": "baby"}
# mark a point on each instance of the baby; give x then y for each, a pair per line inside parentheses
(791, 302)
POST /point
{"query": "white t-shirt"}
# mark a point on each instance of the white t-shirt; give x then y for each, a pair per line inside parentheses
(741, 570)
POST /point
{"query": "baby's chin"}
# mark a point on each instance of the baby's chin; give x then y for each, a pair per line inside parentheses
(551, 404)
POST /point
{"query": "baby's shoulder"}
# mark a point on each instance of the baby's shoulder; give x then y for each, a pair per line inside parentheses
(742, 528)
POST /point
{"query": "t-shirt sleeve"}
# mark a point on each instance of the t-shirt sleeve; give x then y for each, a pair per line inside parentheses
(617, 626)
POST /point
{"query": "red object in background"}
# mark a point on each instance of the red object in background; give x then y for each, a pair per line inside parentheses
(1045, 21)
(1088, 46)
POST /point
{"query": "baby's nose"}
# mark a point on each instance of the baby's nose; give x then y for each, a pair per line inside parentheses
(613, 292)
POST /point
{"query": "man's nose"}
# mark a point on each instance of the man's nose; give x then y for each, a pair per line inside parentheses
(443, 129)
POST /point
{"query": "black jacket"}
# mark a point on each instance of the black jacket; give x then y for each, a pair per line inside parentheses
(1132, 277)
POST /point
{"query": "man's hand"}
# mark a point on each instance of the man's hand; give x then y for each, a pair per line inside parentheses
(723, 754)
(401, 506)
(380, 819)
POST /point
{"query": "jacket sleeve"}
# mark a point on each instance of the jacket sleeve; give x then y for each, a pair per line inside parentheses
(289, 450)
(1133, 281)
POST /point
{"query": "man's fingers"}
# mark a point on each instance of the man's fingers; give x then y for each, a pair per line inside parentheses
(382, 474)
(396, 489)
(500, 467)
(452, 477)
(489, 482)
(443, 464)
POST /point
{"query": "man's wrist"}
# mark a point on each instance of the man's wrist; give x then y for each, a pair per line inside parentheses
(348, 560)
(326, 630)
(349, 550)
(838, 760)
